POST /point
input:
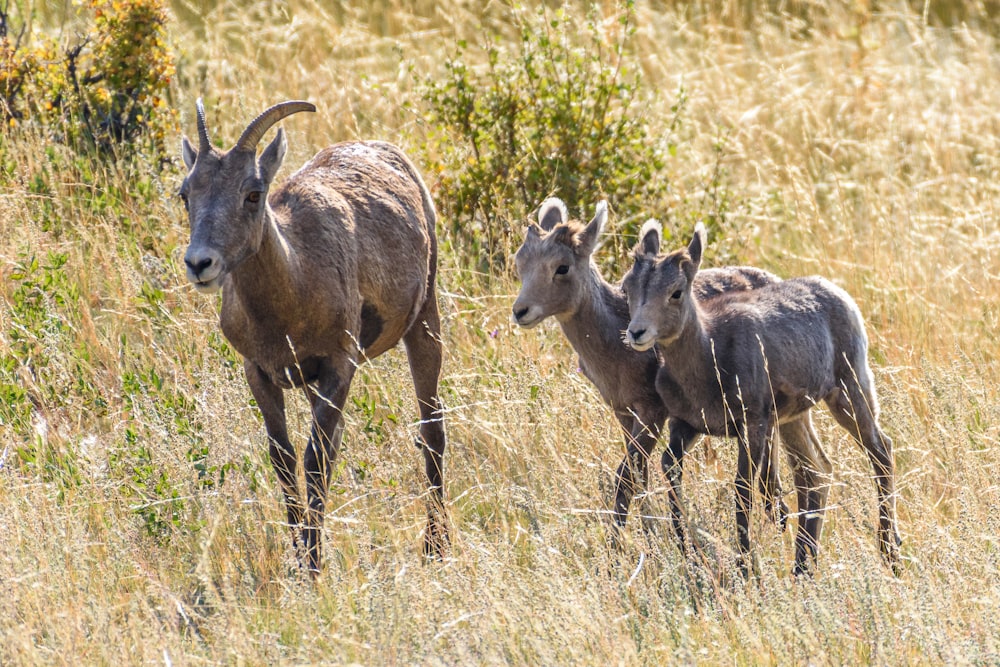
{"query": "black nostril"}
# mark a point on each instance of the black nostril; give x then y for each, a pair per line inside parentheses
(636, 335)
(519, 313)
(198, 266)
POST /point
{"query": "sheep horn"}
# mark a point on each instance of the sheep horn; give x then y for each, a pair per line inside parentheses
(258, 126)
(204, 143)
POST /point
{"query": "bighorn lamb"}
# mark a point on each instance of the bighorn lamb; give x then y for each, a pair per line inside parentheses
(559, 278)
(333, 267)
(745, 362)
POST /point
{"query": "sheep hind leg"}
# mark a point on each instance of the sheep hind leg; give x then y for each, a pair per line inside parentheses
(632, 476)
(812, 471)
(744, 503)
(423, 350)
(855, 408)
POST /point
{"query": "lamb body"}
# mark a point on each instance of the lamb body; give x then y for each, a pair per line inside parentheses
(559, 279)
(744, 363)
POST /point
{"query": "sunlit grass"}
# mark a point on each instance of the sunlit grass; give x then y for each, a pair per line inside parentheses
(863, 150)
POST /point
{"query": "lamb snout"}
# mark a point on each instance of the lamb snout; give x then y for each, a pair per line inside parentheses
(204, 268)
(640, 337)
(525, 316)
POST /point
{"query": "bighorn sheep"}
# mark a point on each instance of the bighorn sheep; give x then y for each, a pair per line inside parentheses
(746, 361)
(334, 267)
(559, 278)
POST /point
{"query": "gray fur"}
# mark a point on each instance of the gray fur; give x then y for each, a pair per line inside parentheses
(333, 266)
(745, 362)
(593, 315)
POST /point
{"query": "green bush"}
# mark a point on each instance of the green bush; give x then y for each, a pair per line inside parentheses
(546, 116)
(108, 89)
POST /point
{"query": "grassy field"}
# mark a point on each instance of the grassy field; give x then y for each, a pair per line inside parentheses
(140, 521)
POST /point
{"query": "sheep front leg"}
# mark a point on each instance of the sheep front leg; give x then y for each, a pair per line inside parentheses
(327, 399)
(271, 402)
(775, 506)
(682, 435)
(754, 450)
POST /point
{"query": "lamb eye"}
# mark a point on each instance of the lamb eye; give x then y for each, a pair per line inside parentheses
(676, 295)
(562, 270)
(253, 197)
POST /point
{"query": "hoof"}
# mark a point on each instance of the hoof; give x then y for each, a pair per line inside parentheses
(436, 540)
(777, 513)
(616, 538)
(890, 554)
(783, 512)
(802, 571)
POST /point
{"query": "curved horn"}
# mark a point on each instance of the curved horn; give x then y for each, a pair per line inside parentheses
(258, 126)
(204, 143)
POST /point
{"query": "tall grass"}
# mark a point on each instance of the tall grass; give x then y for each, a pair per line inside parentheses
(140, 521)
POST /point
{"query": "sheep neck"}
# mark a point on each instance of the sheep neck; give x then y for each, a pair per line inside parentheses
(689, 382)
(594, 327)
(264, 283)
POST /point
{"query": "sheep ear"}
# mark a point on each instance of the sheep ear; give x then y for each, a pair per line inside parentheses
(270, 159)
(551, 213)
(649, 238)
(697, 245)
(188, 152)
(589, 239)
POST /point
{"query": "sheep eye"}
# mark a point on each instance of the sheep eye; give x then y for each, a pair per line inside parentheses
(676, 295)
(562, 270)
(253, 197)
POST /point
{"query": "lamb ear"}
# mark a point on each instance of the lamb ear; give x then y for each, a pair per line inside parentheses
(649, 238)
(697, 245)
(551, 213)
(188, 152)
(589, 239)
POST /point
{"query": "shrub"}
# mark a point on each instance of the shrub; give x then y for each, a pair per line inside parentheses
(108, 89)
(545, 116)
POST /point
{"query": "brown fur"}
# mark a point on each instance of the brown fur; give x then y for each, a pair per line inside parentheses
(335, 266)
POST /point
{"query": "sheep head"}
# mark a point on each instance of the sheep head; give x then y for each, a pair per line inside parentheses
(554, 262)
(225, 194)
(658, 288)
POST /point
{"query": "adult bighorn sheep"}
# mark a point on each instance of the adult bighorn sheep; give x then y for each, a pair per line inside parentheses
(333, 267)
(742, 363)
(560, 279)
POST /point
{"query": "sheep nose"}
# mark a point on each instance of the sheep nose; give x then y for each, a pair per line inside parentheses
(519, 313)
(635, 335)
(198, 264)
(203, 264)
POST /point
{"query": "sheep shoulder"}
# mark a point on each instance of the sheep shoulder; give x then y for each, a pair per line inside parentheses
(783, 341)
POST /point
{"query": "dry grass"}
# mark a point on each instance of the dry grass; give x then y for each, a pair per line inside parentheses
(866, 151)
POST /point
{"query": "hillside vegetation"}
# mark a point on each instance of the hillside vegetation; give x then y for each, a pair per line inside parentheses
(140, 520)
